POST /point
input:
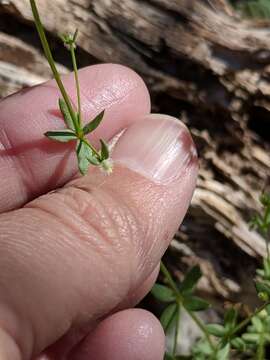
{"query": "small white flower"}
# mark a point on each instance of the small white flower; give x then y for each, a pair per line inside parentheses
(107, 166)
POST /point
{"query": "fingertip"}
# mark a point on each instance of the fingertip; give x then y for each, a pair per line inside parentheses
(132, 334)
(135, 296)
(8, 347)
(118, 83)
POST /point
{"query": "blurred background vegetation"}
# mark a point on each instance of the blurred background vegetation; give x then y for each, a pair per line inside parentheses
(253, 8)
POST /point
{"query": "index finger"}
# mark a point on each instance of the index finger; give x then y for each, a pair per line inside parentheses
(31, 164)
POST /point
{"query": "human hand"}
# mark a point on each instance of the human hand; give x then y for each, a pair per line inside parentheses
(73, 259)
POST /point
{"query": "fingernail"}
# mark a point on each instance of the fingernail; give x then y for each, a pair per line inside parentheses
(158, 147)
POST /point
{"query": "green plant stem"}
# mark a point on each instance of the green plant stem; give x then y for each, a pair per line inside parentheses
(51, 61)
(197, 321)
(75, 67)
(91, 147)
(248, 319)
(169, 278)
(260, 351)
(176, 332)
(266, 230)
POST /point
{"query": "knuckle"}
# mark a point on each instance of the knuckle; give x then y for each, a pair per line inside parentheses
(112, 229)
(105, 213)
(100, 221)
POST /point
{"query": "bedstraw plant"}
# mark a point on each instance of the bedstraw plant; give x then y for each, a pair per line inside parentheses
(75, 130)
(233, 338)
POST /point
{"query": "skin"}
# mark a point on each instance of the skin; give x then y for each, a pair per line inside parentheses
(70, 267)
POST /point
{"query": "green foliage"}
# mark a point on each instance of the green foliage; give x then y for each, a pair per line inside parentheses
(257, 9)
(61, 135)
(92, 125)
(261, 222)
(233, 337)
(191, 279)
(66, 115)
(104, 152)
(179, 296)
(168, 316)
(194, 303)
(86, 154)
(163, 293)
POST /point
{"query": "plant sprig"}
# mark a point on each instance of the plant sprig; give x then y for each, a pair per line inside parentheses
(248, 337)
(87, 154)
(181, 296)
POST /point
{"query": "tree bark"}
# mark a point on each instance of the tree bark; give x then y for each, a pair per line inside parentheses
(202, 63)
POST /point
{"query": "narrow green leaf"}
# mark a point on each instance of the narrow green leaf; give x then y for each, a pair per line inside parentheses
(85, 157)
(93, 160)
(104, 150)
(266, 266)
(230, 318)
(223, 354)
(216, 329)
(191, 279)
(168, 316)
(61, 135)
(163, 293)
(251, 338)
(257, 323)
(92, 125)
(239, 344)
(202, 350)
(82, 156)
(194, 303)
(75, 35)
(65, 112)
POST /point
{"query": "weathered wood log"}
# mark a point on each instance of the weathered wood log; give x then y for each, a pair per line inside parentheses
(201, 62)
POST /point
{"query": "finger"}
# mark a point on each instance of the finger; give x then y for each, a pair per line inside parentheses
(31, 164)
(132, 334)
(137, 295)
(76, 254)
(63, 347)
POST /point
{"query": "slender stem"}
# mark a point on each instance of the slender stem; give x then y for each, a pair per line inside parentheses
(90, 146)
(201, 326)
(50, 59)
(75, 67)
(169, 278)
(266, 214)
(176, 332)
(197, 321)
(247, 320)
(260, 355)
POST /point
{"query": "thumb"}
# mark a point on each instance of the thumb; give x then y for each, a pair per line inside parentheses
(70, 257)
